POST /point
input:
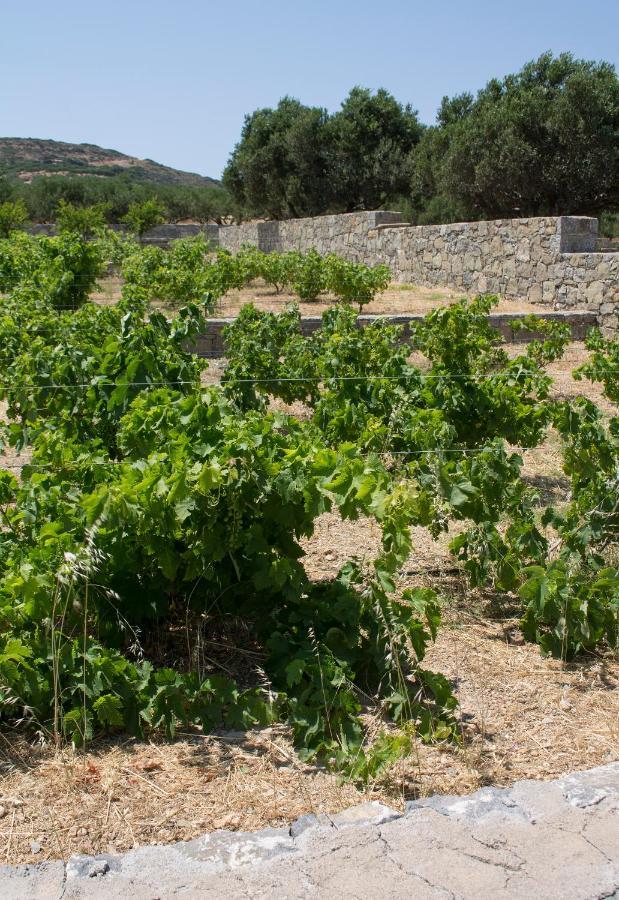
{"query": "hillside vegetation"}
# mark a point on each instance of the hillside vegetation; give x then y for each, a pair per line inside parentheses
(41, 176)
(26, 158)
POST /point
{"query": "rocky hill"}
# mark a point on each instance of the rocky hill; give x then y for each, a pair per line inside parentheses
(26, 158)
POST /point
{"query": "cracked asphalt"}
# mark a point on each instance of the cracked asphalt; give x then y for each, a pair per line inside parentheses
(557, 839)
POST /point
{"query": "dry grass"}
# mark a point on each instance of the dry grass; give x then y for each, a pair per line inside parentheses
(397, 299)
(522, 716)
(121, 794)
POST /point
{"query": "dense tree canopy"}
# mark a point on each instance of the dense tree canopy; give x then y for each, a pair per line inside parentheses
(44, 196)
(296, 160)
(371, 138)
(545, 140)
(280, 166)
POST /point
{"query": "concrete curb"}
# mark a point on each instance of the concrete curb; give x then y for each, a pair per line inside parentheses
(557, 839)
(211, 343)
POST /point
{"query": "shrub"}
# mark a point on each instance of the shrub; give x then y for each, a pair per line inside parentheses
(354, 282)
(83, 220)
(144, 215)
(278, 269)
(13, 216)
(310, 278)
(147, 494)
(63, 269)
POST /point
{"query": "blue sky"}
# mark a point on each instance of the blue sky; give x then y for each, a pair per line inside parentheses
(172, 80)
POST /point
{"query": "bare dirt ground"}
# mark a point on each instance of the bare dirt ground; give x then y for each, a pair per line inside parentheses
(398, 299)
(522, 716)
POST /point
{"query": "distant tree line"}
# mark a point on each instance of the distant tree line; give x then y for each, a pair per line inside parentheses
(542, 141)
(115, 195)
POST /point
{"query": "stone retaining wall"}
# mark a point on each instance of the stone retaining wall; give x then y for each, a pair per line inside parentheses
(551, 261)
(345, 234)
(548, 260)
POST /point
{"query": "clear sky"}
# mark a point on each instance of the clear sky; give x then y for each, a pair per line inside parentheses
(172, 80)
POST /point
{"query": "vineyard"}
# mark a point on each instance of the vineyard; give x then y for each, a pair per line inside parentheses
(150, 519)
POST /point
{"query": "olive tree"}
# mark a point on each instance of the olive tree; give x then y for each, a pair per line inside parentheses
(542, 141)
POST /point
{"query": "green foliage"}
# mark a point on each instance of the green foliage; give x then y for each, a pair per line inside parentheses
(116, 246)
(310, 274)
(117, 192)
(542, 141)
(276, 269)
(571, 601)
(310, 277)
(186, 273)
(142, 216)
(71, 266)
(149, 500)
(278, 168)
(570, 608)
(83, 220)
(354, 282)
(445, 427)
(609, 225)
(13, 216)
(371, 138)
(180, 275)
(471, 394)
(21, 256)
(62, 269)
(148, 497)
(603, 365)
(110, 353)
(296, 160)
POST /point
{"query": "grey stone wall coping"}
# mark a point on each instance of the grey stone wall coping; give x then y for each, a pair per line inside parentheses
(210, 344)
(402, 318)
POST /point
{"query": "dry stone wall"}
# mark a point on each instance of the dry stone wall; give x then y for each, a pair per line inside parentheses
(345, 234)
(549, 260)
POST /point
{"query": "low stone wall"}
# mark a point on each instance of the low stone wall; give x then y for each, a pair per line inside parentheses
(211, 343)
(232, 237)
(345, 234)
(163, 235)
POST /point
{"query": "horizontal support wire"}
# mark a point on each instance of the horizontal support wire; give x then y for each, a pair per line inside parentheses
(116, 462)
(273, 379)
